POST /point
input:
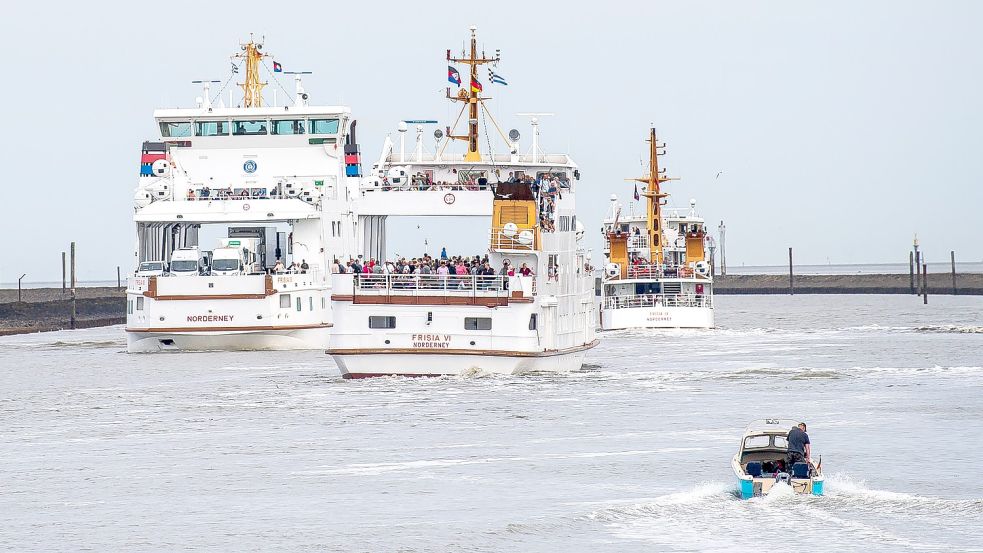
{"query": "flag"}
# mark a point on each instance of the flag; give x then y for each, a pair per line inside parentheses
(277, 68)
(475, 85)
(496, 78)
(637, 197)
(453, 76)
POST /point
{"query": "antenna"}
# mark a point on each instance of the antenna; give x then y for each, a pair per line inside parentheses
(534, 121)
(206, 100)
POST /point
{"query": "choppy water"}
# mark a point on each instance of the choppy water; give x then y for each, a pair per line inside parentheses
(273, 451)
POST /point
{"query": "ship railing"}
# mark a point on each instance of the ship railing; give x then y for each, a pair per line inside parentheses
(513, 239)
(638, 242)
(409, 158)
(661, 271)
(422, 184)
(657, 300)
(444, 285)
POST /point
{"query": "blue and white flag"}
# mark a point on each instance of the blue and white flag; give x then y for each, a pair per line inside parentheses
(495, 78)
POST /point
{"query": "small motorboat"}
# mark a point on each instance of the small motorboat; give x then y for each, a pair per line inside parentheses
(761, 461)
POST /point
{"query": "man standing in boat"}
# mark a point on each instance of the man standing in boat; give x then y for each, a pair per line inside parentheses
(799, 447)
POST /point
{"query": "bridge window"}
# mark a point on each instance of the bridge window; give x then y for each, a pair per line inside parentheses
(532, 322)
(310, 301)
(249, 128)
(324, 126)
(284, 301)
(376, 321)
(139, 303)
(212, 128)
(170, 129)
(129, 307)
(300, 306)
(288, 126)
(477, 323)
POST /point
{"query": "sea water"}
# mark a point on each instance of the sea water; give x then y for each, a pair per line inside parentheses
(106, 451)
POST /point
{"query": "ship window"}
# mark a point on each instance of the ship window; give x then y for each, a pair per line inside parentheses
(284, 301)
(781, 441)
(323, 304)
(310, 300)
(170, 129)
(245, 128)
(212, 128)
(376, 321)
(288, 126)
(756, 441)
(139, 303)
(300, 307)
(324, 126)
(532, 322)
(129, 307)
(477, 323)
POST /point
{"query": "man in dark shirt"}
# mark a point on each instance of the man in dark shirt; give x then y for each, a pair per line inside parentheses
(799, 447)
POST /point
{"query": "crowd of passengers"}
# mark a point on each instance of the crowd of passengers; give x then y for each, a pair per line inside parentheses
(230, 193)
(437, 268)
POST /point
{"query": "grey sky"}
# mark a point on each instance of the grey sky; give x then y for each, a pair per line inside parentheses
(841, 128)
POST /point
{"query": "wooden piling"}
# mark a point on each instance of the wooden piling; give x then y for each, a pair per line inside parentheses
(952, 256)
(791, 282)
(119, 282)
(18, 286)
(925, 283)
(911, 271)
(63, 272)
(74, 303)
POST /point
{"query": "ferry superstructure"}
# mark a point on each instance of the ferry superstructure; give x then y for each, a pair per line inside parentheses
(272, 185)
(657, 273)
(418, 324)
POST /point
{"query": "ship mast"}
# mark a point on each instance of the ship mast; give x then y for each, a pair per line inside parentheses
(470, 95)
(654, 196)
(252, 88)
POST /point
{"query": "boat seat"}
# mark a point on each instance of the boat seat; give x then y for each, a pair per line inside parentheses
(800, 470)
(754, 468)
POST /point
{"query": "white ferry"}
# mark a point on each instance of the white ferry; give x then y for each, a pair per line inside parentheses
(540, 318)
(238, 210)
(657, 273)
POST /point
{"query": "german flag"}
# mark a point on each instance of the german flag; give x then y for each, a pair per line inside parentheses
(475, 85)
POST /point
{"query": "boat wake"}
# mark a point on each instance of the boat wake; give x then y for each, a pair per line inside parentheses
(712, 515)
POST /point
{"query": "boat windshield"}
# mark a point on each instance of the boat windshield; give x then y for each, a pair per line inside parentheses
(225, 264)
(184, 266)
(151, 266)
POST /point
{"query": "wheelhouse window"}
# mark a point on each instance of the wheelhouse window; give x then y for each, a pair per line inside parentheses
(376, 321)
(249, 128)
(284, 301)
(324, 126)
(477, 323)
(171, 129)
(139, 303)
(756, 441)
(212, 128)
(288, 126)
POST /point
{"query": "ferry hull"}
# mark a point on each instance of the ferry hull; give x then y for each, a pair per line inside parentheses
(366, 365)
(260, 340)
(656, 317)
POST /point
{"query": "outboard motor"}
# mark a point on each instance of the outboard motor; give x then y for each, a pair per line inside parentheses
(783, 477)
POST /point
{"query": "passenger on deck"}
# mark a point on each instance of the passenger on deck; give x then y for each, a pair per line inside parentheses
(304, 266)
(525, 270)
(278, 266)
(799, 447)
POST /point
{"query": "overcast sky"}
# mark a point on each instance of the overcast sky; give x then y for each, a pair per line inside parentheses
(841, 128)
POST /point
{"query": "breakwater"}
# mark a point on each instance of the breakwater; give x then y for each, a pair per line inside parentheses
(939, 283)
(43, 309)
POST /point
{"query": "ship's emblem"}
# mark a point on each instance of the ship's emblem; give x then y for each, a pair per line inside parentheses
(449, 198)
(249, 166)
